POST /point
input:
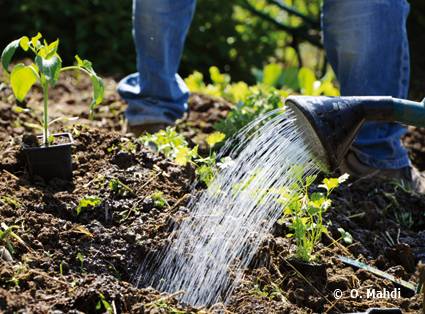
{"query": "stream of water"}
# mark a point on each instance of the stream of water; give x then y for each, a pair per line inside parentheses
(227, 223)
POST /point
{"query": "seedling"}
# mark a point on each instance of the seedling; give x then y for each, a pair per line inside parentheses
(346, 237)
(116, 186)
(159, 200)
(45, 69)
(304, 211)
(104, 304)
(80, 258)
(11, 201)
(88, 202)
(7, 234)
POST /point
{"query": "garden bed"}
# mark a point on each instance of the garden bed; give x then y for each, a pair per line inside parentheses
(73, 261)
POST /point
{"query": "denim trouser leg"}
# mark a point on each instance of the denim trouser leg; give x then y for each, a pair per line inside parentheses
(156, 93)
(366, 44)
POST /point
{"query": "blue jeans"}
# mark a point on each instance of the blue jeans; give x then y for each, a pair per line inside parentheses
(156, 93)
(365, 41)
(366, 44)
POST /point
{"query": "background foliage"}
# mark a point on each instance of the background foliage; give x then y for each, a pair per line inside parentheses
(237, 36)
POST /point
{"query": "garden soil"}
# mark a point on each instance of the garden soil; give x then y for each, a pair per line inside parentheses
(85, 263)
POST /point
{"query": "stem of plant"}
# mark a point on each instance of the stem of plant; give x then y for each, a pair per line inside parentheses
(46, 116)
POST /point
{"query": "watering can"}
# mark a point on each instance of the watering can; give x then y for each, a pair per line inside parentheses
(330, 124)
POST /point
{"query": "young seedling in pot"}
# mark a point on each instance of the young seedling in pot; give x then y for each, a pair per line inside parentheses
(45, 69)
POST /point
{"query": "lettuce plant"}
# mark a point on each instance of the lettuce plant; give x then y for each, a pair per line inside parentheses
(45, 69)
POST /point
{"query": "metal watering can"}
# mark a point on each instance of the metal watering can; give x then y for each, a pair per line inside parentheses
(330, 124)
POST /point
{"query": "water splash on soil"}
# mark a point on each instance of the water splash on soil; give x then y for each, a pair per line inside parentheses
(210, 249)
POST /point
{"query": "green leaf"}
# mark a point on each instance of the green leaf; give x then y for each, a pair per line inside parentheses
(271, 74)
(290, 78)
(8, 53)
(217, 77)
(22, 79)
(215, 138)
(49, 50)
(35, 40)
(89, 201)
(345, 236)
(24, 43)
(329, 184)
(306, 79)
(50, 68)
(182, 156)
(98, 92)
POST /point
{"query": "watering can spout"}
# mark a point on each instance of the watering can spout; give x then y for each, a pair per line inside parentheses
(330, 124)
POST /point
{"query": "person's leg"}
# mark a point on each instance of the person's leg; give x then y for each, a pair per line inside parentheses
(366, 44)
(156, 93)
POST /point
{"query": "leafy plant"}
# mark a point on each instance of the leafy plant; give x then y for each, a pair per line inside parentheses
(303, 212)
(175, 146)
(45, 69)
(89, 201)
(245, 112)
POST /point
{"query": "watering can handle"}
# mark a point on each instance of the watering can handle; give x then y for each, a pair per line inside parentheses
(409, 112)
(389, 109)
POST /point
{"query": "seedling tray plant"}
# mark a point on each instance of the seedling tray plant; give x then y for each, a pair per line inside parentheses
(48, 155)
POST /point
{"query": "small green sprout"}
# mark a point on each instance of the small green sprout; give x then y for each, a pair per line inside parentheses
(104, 304)
(89, 201)
(11, 201)
(80, 258)
(7, 234)
(116, 186)
(159, 200)
(45, 69)
(346, 237)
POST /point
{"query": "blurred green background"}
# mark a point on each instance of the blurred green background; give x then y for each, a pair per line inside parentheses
(237, 36)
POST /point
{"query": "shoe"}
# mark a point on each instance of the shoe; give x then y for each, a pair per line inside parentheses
(408, 176)
(141, 129)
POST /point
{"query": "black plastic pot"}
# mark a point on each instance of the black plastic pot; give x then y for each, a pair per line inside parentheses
(308, 270)
(54, 161)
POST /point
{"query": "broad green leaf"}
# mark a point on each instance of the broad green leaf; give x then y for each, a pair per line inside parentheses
(306, 79)
(50, 68)
(290, 78)
(98, 92)
(182, 156)
(24, 42)
(22, 79)
(329, 184)
(271, 74)
(215, 138)
(8, 53)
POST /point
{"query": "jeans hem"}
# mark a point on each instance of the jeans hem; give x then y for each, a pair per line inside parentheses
(371, 161)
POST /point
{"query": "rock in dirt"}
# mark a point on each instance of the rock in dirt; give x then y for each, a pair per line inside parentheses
(5, 254)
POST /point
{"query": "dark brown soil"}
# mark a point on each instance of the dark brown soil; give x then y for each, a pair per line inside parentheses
(69, 262)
